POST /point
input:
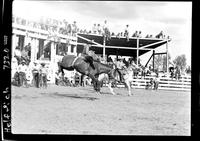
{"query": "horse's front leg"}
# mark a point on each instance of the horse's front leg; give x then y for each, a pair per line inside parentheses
(129, 87)
(111, 89)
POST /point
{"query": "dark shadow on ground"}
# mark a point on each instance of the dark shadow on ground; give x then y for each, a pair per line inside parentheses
(70, 96)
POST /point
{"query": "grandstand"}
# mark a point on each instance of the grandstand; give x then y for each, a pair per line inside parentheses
(45, 47)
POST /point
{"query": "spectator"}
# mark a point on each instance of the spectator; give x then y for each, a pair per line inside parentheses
(78, 30)
(65, 27)
(22, 73)
(171, 70)
(18, 20)
(99, 29)
(135, 34)
(121, 34)
(58, 78)
(23, 22)
(69, 30)
(177, 73)
(43, 75)
(94, 29)
(17, 54)
(139, 34)
(118, 35)
(106, 31)
(74, 29)
(61, 27)
(35, 72)
(85, 31)
(156, 82)
(126, 32)
(25, 54)
(160, 35)
(81, 31)
(149, 84)
(14, 66)
(147, 36)
(109, 60)
(28, 48)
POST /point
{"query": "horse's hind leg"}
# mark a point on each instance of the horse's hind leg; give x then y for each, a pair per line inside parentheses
(96, 83)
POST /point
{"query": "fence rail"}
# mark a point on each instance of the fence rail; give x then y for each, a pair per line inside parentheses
(165, 83)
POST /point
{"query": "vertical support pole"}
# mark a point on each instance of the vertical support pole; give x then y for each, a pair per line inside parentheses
(53, 52)
(117, 54)
(33, 47)
(137, 51)
(26, 39)
(36, 48)
(167, 58)
(153, 60)
(14, 44)
(75, 50)
(69, 49)
(104, 49)
(53, 62)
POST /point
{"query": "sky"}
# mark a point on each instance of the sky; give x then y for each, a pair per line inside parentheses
(173, 18)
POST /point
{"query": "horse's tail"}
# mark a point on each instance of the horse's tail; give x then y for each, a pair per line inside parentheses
(89, 60)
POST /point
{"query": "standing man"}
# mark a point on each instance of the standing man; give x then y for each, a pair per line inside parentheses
(99, 29)
(28, 49)
(139, 34)
(18, 54)
(126, 32)
(35, 72)
(74, 29)
(106, 30)
(135, 34)
(43, 75)
(94, 29)
(22, 73)
(25, 54)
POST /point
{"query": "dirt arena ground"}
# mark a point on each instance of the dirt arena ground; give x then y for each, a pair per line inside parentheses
(79, 110)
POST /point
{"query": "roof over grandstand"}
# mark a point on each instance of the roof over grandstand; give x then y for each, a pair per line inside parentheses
(118, 45)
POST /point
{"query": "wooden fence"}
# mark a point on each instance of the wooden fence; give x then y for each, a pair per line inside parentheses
(165, 83)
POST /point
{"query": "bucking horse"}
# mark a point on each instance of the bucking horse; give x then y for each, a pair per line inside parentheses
(89, 67)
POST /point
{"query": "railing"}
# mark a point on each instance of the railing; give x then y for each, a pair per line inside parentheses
(165, 83)
(40, 33)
